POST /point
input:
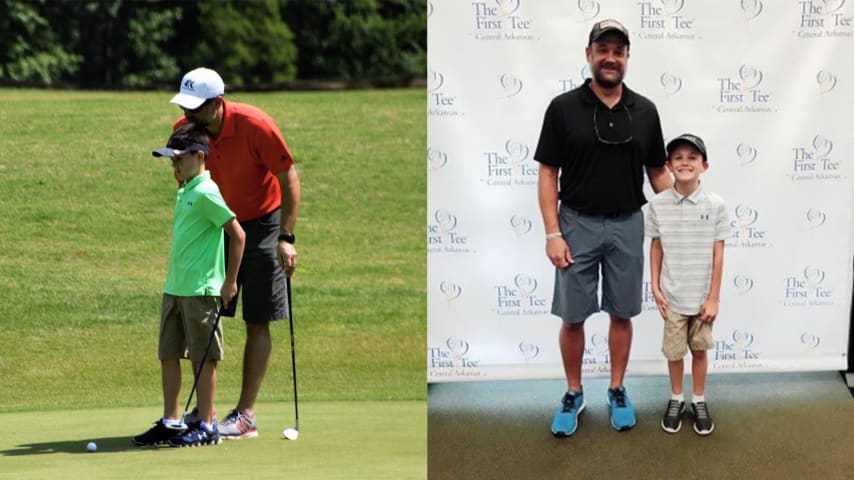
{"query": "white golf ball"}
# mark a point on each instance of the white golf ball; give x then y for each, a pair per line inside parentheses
(91, 447)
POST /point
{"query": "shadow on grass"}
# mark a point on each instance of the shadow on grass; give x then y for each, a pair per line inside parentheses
(105, 445)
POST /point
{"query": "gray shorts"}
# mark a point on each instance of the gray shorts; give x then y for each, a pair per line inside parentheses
(185, 328)
(261, 280)
(613, 244)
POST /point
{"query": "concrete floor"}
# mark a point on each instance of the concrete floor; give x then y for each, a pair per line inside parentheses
(768, 426)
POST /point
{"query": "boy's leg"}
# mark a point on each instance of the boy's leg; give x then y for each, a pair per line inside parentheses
(699, 370)
(207, 390)
(677, 373)
(170, 376)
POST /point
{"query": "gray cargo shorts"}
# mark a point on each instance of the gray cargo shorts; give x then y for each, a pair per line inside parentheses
(612, 244)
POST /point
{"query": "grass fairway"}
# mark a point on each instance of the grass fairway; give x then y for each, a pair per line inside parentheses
(83, 253)
(338, 440)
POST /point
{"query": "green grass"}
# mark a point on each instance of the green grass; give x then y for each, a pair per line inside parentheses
(85, 239)
(337, 440)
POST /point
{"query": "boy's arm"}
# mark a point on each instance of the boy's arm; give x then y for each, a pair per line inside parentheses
(656, 253)
(709, 310)
(236, 242)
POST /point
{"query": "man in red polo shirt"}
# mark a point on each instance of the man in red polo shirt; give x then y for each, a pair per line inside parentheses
(250, 162)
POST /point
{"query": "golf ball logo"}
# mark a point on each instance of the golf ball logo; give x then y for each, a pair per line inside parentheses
(750, 77)
(588, 9)
(826, 81)
(529, 350)
(671, 83)
(742, 284)
(436, 159)
(450, 291)
(457, 347)
(751, 8)
(815, 218)
(745, 153)
(810, 340)
(511, 85)
(435, 81)
(520, 225)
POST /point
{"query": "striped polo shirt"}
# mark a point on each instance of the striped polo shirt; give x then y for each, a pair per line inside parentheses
(688, 228)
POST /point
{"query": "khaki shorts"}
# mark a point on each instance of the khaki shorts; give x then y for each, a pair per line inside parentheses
(683, 331)
(185, 328)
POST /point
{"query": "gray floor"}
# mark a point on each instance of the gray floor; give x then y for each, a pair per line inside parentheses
(768, 426)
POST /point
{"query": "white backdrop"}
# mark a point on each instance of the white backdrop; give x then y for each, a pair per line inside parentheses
(768, 84)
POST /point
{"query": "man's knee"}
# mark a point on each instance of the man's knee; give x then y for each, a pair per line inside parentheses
(257, 329)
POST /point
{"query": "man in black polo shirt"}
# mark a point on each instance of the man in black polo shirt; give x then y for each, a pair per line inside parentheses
(595, 142)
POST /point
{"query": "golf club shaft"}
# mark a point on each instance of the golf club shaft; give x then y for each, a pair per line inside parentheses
(293, 352)
(198, 372)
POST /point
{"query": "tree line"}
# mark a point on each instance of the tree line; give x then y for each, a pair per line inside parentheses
(124, 44)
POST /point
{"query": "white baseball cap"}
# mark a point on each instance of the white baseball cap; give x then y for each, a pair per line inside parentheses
(197, 86)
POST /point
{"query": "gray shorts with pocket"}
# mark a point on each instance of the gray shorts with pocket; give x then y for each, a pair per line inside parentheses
(612, 244)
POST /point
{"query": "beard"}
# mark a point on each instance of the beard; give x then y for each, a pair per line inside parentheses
(607, 82)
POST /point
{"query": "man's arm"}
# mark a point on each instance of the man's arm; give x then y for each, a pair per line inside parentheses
(289, 183)
(556, 247)
(659, 178)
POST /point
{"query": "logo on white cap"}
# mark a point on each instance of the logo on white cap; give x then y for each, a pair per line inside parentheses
(197, 86)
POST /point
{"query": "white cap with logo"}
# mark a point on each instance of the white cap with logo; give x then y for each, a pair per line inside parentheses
(197, 86)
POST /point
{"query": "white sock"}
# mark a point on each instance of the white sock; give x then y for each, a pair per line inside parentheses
(678, 397)
(173, 423)
(698, 398)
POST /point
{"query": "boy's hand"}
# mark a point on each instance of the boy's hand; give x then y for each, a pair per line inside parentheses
(661, 301)
(228, 292)
(558, 252)
(709, 311)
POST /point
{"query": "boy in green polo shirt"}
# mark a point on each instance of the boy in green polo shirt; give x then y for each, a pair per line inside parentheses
(196, 276)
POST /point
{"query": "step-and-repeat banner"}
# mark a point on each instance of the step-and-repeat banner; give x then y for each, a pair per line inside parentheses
(768, 84)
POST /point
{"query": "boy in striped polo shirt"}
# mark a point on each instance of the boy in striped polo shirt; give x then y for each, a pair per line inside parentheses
(688, 226)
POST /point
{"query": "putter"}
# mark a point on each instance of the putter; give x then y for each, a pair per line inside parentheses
(202, 363)
(292, 433)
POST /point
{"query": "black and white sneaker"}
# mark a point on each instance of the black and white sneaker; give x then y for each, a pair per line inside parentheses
(671, 422)
(198, 434)
(703, 423)
(159, 434)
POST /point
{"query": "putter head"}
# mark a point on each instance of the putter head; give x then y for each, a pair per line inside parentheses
(290, 433)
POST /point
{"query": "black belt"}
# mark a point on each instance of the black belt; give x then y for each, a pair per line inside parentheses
(608, 215)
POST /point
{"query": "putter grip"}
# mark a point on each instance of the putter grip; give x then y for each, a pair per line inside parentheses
(231, 310)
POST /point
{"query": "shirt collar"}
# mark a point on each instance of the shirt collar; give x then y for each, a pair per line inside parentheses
(693, 198)
(227, 129)
(588, 96)
(196, 180)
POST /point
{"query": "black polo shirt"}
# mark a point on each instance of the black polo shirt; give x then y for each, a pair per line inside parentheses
(599, 178)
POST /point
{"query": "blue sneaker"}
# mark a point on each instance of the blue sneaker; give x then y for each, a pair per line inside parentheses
(565, 420)
(622, 410)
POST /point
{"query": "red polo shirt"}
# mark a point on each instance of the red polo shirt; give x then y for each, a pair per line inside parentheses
(245, 158)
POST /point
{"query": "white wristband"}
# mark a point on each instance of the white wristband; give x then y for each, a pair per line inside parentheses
(552, 235)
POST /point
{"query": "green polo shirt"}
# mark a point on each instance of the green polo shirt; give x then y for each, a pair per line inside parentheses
(196, 258)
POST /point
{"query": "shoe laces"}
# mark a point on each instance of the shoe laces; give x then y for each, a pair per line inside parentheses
(236, 416)
(673, 408)
(569, 402)
(619, 396)
(701, 410)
